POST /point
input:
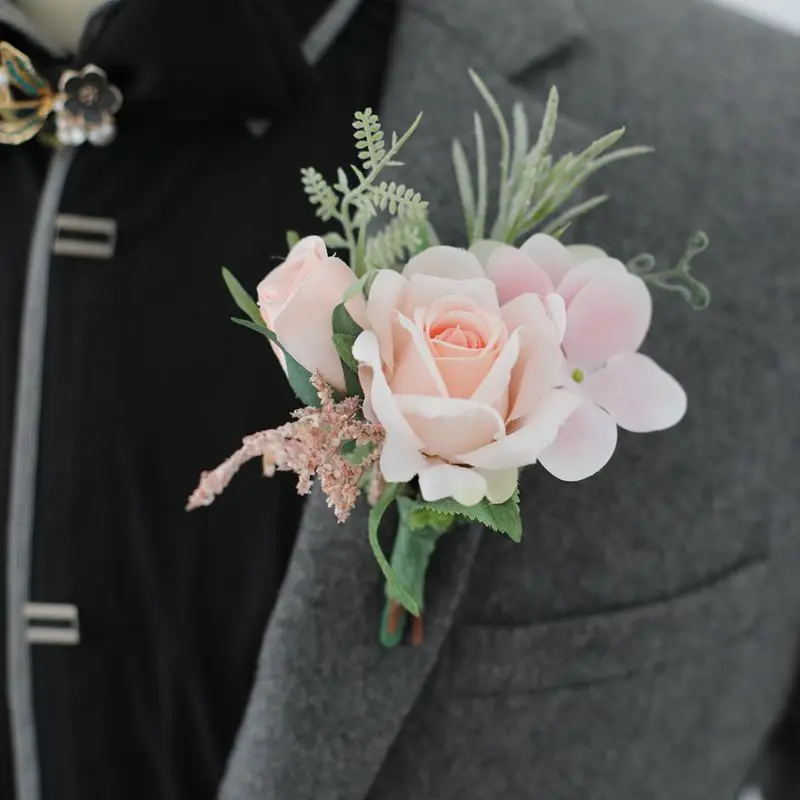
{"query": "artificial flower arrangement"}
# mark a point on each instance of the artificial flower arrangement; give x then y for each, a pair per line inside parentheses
(429, 374)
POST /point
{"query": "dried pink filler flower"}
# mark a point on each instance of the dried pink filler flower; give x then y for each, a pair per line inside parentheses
(311, 446)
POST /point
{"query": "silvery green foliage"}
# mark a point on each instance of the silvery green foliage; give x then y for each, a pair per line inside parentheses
(354, 206)
(678, 278)
(399, 239)
(533, 187)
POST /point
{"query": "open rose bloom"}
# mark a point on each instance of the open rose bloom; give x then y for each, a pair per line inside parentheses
(475, 371)
(470, 369)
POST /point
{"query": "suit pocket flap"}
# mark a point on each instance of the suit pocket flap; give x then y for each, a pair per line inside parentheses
(602, 646)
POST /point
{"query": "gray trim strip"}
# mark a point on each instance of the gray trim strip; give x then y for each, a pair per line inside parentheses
(22, 490)
(327, 29)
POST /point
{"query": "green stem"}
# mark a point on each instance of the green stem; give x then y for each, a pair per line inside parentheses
(411, 555)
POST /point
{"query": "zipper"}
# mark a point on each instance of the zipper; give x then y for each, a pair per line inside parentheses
(22, 488)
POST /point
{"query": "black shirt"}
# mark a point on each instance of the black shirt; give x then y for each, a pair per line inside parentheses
(146, 382)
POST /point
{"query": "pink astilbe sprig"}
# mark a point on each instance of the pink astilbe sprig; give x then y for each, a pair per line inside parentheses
(311, 447)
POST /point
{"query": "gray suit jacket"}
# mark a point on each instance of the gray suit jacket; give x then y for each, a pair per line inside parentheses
(638, 645)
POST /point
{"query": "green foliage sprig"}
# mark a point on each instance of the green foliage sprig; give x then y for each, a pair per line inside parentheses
(533, 188)
(354, 206)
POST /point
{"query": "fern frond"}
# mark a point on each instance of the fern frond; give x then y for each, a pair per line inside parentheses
(369, 139)
(364, 210)
(397, 198)
(320, 193)
(399, 239)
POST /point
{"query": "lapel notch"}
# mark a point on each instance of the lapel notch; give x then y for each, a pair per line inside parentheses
(512, 34)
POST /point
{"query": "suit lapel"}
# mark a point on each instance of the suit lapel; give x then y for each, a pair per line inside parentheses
(328, 701)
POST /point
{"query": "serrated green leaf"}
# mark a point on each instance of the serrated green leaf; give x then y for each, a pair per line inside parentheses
(500, 517)
(292, 238)
(241, 297)
(394, 587)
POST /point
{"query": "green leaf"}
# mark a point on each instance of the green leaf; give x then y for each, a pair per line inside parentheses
(300, 381)
(345, 332)
(255, 326)
(394, 587)
(241, 297)
(292, 238)
(355, 454)
(335, 240)
(482, 203)
(342, 322)
(298, 376)
(570, 215)
(465, 190)
(500, 517)
(343, 343)
(505, 142)
(521, 136)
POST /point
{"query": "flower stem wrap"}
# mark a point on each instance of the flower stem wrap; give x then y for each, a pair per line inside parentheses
(418, 532)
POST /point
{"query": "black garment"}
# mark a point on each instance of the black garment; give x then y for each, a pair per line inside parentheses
(147, 382)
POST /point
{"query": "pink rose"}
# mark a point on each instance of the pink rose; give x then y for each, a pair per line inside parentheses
(296, 301)
(463, 386)
(605, 317)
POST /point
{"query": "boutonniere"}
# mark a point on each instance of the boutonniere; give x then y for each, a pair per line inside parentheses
(429, 374)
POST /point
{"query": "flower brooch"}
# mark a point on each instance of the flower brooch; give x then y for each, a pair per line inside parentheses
(83, 107)
(430, 374)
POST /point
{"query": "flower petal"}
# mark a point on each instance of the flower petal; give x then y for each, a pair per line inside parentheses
(557, 311)
(416, 371)
(450, 425)
(465, 486)
(304, 326)
(424, 290)
(550, 255)
(445, 262)
(381, 400)
(578, 277)
(400, 463)
(585, 252)
(537, 432)
(515, 273)
(495, 384)
(500, 483)
(483, 248)
(385, 296)
(539, 362)
(583, 446)
(637, 393)
(610, 315)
